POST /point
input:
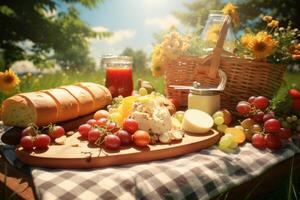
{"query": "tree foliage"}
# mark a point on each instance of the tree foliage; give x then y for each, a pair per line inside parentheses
(139, 57)
(45, 30)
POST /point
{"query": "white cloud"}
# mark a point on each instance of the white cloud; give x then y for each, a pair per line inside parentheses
(99, 29)
(164, 22)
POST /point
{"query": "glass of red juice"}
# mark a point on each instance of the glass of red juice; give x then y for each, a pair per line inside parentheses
(118, 75)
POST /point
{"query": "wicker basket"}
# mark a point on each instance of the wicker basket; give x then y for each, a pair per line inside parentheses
(245, 77)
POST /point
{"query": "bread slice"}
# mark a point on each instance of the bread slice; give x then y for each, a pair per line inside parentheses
(68, 107)
(83, 97)
(44, 107)
(100, 96)
(16, 111)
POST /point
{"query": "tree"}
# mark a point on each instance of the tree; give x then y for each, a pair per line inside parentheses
(29, 31)
(139, 57)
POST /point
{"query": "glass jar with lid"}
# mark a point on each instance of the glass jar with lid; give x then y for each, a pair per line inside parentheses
(211, 31)
(118, 74)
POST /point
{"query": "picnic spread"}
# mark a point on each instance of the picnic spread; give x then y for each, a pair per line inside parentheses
(215, 127)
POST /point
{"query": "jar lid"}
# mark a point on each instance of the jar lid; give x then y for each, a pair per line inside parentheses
(112, 59)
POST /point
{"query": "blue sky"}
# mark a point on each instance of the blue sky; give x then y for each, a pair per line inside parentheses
(133, 22)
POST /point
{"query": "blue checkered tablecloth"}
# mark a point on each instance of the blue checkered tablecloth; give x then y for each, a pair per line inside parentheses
(199, 175)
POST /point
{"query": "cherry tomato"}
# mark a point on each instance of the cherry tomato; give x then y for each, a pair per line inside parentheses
(272, 126)
(27, 143)
(101, 114)
(273, 141)
(92, 122)
(42, 141)
(259, 141)
(56, 132)
(130, 125)
(84, 130)
(175, 102)
(141, 138)
(28, 131)
(112, 142)
(101, 122)
(93, 135)
(124, 136)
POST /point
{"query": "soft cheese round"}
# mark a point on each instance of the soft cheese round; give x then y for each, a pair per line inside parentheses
(196, 121)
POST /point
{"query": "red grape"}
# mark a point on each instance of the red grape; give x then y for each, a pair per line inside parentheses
(285, 133)
(268, 116)
(112, 142)
(56, 132)
(84, 130)
(258, 117)
(130, 125)
(141, 138)
(112, 127)
(27, 143)
(93, 135)
(258, 141)
(272, 126)
(101, 122)
(273, 141)
(243, 108)
(42, 141)
(261, 102)
(28, 131)
(124, 136)
(92, 122)
(251, 99)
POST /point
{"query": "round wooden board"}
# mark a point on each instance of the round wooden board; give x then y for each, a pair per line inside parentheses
(87, 156)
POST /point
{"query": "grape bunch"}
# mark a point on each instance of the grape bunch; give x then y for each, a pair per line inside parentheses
(260, 124)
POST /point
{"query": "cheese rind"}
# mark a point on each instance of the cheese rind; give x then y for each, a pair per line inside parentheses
(196, 121)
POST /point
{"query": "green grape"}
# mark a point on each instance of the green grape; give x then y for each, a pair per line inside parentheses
(284, 124)
(233, 145)
(221, 128)
(256, 127)
(218, 114)
(239, 127)
(143, 91)
(219, 120)
(294, 118)
(289, 119)
(227, 143)
(179, 115)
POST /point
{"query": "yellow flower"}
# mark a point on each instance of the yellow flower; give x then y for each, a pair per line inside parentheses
(273, 24)
(267, 18)
(157, 69)
(212, 33)
(246, 39)
(262, 45)
(8, 81)
(230, 9)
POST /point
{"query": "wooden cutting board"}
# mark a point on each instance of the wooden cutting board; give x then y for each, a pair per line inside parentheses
(89, 156)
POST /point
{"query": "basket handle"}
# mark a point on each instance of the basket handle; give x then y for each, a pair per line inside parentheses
(216, 55)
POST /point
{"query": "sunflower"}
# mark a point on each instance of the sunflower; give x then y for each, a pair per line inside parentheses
(230, 9)
(157, 69)
(8, 81)
(246, 39)
(212, 33)
(262, 45)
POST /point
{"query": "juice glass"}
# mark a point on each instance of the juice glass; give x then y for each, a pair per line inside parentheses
(118, 75)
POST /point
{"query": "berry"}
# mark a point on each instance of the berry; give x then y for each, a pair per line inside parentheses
(261, 102)
(243, 108)
(259, 141)
(93, 135)
(27, 143)
(130, 125)
(273, 141)
(141, 138)
(84, 130)
(56, 132)
(42, 141)
(124, 136)
(112, 142)
(258, 117)
(272, 126)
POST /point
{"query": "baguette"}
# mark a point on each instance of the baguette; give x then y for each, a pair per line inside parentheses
(54, 105)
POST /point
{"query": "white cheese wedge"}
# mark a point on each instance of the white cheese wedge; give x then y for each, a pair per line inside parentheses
(196, 121)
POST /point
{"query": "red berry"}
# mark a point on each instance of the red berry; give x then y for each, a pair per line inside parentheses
(294, 93)
(93, 135)
(261, 102)
(272, 126)
(258, 141)
(42, 141)
(243, 108)
(258, 117)
(84, 130)
(124, 136)
(27, 143)
(112, 142)
(285, 133)
(130, 125)
(273, 141)
(251, 99)
(268, 116)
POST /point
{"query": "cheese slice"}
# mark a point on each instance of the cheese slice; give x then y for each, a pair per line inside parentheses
(196, 121)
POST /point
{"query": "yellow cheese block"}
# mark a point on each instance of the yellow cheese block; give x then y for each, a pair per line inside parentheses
(196, 121)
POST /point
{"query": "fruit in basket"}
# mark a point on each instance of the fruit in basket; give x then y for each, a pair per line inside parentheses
(261, 102)
(243, 108)
(124, 136)
(141, 138)
(259, 141)
(227, 143)
(112, 142)
(272, 126)
(27, 143)
(101, 114)
(42, 141)
(273, 141)
(130, 125)
(237, 133)
(56, 131)
(84, 130)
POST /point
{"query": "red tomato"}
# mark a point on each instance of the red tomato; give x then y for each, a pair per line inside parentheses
(175, 102)
(101, 114)
(141, 138)
(130, 125)
(56, 132)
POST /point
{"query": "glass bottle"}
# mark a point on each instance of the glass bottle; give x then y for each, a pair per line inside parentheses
(210, 33)
(118, 75)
